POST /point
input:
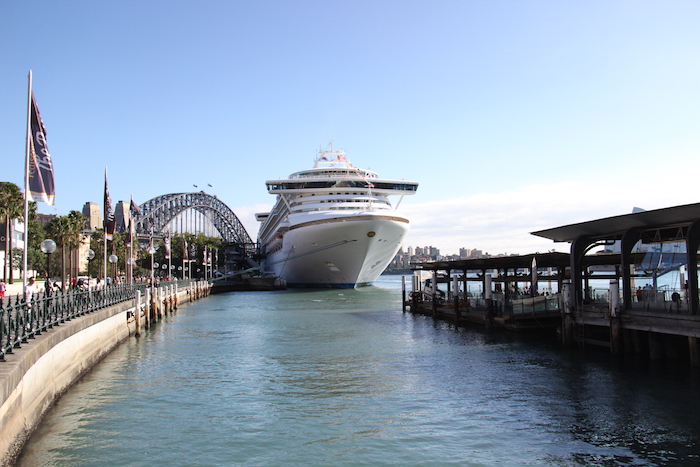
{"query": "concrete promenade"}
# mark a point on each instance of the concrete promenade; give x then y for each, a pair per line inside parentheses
(45, 367)
(16, 288)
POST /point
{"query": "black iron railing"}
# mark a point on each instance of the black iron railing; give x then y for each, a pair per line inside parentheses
(21, 321)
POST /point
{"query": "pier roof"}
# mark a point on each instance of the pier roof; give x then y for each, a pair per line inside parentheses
(543, 260)
(611, 227)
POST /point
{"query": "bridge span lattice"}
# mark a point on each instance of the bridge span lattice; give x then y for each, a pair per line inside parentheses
(158, 212)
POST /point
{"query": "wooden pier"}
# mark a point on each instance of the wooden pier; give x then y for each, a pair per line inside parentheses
(490, 315)
(633, 314)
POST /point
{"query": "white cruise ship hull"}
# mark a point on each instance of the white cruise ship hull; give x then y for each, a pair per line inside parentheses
(342, 252)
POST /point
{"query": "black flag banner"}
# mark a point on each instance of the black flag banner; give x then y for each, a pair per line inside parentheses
(109, 221)
(166, 242)
(129, 235)
(41, 183)
(134, 208)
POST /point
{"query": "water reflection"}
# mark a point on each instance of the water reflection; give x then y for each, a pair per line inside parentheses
(345, 378)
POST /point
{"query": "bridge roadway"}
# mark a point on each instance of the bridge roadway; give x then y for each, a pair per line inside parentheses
(53, 347)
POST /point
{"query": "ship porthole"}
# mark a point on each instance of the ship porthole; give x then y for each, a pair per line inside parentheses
(371, 234)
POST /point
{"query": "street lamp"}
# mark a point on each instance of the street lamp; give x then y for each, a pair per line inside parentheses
(130, 261)
(113, 259)
(48, 246)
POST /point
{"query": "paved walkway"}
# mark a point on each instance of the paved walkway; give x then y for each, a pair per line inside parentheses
(16, 288)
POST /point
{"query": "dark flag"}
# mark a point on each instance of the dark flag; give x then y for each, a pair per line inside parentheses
(134, 208)
(129, 234)
(109, 221)
(166, 242)
(41, 183)
(185, 254)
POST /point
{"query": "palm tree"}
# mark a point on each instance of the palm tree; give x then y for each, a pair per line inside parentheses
(96, 244)
(57, 229)
(76, 224)
(66, 231)
(11, 207)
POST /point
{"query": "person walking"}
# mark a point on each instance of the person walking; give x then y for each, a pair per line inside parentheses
(29, 291)
(48, 286)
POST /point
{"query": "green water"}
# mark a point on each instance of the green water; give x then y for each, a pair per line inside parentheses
(343, 377)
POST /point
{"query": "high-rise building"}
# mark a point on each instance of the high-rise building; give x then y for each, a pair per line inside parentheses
(94, 214)
(122, 215)
(17, 235)
(45, 219)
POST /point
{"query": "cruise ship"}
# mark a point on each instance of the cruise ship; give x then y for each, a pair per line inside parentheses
(332, 225)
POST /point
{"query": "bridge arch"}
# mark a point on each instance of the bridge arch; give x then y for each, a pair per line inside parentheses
(158, 212)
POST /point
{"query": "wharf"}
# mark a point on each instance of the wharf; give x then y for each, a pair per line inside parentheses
(248, 284)
(657, 323)
(536, 319)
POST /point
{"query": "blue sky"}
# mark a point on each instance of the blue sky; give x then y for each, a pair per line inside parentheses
(514, 116)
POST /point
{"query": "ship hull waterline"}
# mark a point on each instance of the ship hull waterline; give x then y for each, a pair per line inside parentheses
(345, 252)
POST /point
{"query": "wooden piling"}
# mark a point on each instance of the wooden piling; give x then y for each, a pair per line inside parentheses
(137, 313)
(147, 308)
(403, 293)
(175, 295)
(693, 351)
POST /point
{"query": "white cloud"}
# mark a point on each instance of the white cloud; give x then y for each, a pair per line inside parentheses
(502, 222)
(246, 214)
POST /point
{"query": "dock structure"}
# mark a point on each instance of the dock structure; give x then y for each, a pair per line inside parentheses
(629, 283)
(495, 292)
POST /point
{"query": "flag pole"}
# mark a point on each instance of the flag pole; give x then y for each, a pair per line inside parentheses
(131, 243)
(26, 183)
(104, 233)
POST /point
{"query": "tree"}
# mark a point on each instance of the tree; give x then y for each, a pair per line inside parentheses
(97, 245)
(76, 224)
(11, 207)
(36, 259)
(66, 232)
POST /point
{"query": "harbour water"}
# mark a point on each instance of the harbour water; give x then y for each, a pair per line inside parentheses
(343, 377)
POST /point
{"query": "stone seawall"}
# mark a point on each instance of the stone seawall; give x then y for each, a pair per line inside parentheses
(39, 372)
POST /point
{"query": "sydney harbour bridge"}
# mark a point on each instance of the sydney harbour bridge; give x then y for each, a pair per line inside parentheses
(182, 211)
